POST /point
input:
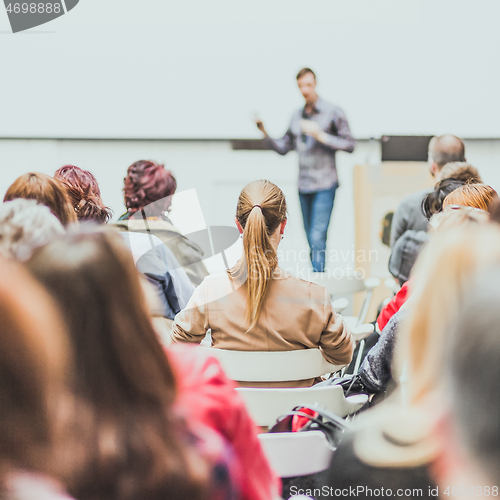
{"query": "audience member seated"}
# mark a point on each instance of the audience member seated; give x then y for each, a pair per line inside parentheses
(405, 253)
(84, 194)
(472, 195)
(470, 429)
(380, 356)
(256, 306)
(442, 150)
(144, 443)
(393, 444)
(407, 248)
(209, 397)
(24, 226)
(34, 364)
(461, 171)
(148, 195)
(433, 202)
(157, 263)
(393, 306)
(168, 289)
(376, 371)
(45, 190)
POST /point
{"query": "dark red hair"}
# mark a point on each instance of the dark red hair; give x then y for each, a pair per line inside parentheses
(84, 193)
(147, 182)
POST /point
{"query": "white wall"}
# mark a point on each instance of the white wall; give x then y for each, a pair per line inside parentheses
(217, 173)
(198, 68)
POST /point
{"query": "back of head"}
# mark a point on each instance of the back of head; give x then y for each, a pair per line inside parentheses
(433, 202)
(441, 278)
(24, 226)
(461, 171)
(473, 371)
(45, 190)
(261, 209)
(121, 369)
(446, 149)
(148, 182)
(479, 196)
(84, 193)
(33, 361)
(453, 216)
(92, 275)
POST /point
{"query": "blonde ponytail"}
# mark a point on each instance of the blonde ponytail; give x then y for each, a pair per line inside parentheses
(261, 209)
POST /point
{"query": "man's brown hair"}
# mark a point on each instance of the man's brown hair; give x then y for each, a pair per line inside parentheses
(304, 72)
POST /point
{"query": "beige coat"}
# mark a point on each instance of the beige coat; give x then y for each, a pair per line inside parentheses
(296, 314)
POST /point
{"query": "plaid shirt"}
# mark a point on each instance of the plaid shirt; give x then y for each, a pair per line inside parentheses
(317, 171)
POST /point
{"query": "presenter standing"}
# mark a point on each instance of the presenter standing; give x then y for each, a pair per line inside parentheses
(317, 131)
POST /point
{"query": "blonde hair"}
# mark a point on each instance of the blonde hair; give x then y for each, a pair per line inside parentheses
(261, 209)
(461, 171)
(453, 216)
(442, 276)
(472, 195)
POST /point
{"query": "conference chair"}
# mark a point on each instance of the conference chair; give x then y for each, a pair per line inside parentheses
(265, 405)
(293, 454)
(348, 284)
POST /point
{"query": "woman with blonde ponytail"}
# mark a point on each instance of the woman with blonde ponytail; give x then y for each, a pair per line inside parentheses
(256, 306)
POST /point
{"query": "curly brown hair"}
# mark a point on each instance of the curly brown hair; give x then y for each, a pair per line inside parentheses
(147, 182)
(84, 193)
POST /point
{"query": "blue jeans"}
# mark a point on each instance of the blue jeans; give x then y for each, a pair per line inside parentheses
(316, 211)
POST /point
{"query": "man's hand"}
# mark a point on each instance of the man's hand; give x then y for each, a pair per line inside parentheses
(259, 123)
(313, 129)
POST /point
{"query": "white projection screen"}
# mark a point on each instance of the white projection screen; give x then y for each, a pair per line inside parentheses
(198, 69)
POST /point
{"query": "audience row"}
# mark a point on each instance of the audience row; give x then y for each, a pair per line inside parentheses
(103, 398)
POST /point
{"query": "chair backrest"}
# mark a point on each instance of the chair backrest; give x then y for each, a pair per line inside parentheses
(349, 284)
(267, 405)
(343, 285)
(279, 366)
(294, 454)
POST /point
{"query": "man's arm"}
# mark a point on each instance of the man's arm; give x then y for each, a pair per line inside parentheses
(343, 140)
(281, 146)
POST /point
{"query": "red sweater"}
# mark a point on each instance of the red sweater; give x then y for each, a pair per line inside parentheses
(209, 397)
(393, 306)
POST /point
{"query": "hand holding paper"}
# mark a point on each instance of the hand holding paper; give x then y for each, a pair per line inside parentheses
(313, 129)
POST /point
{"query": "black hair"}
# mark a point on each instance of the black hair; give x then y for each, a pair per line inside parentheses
(433, 202)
